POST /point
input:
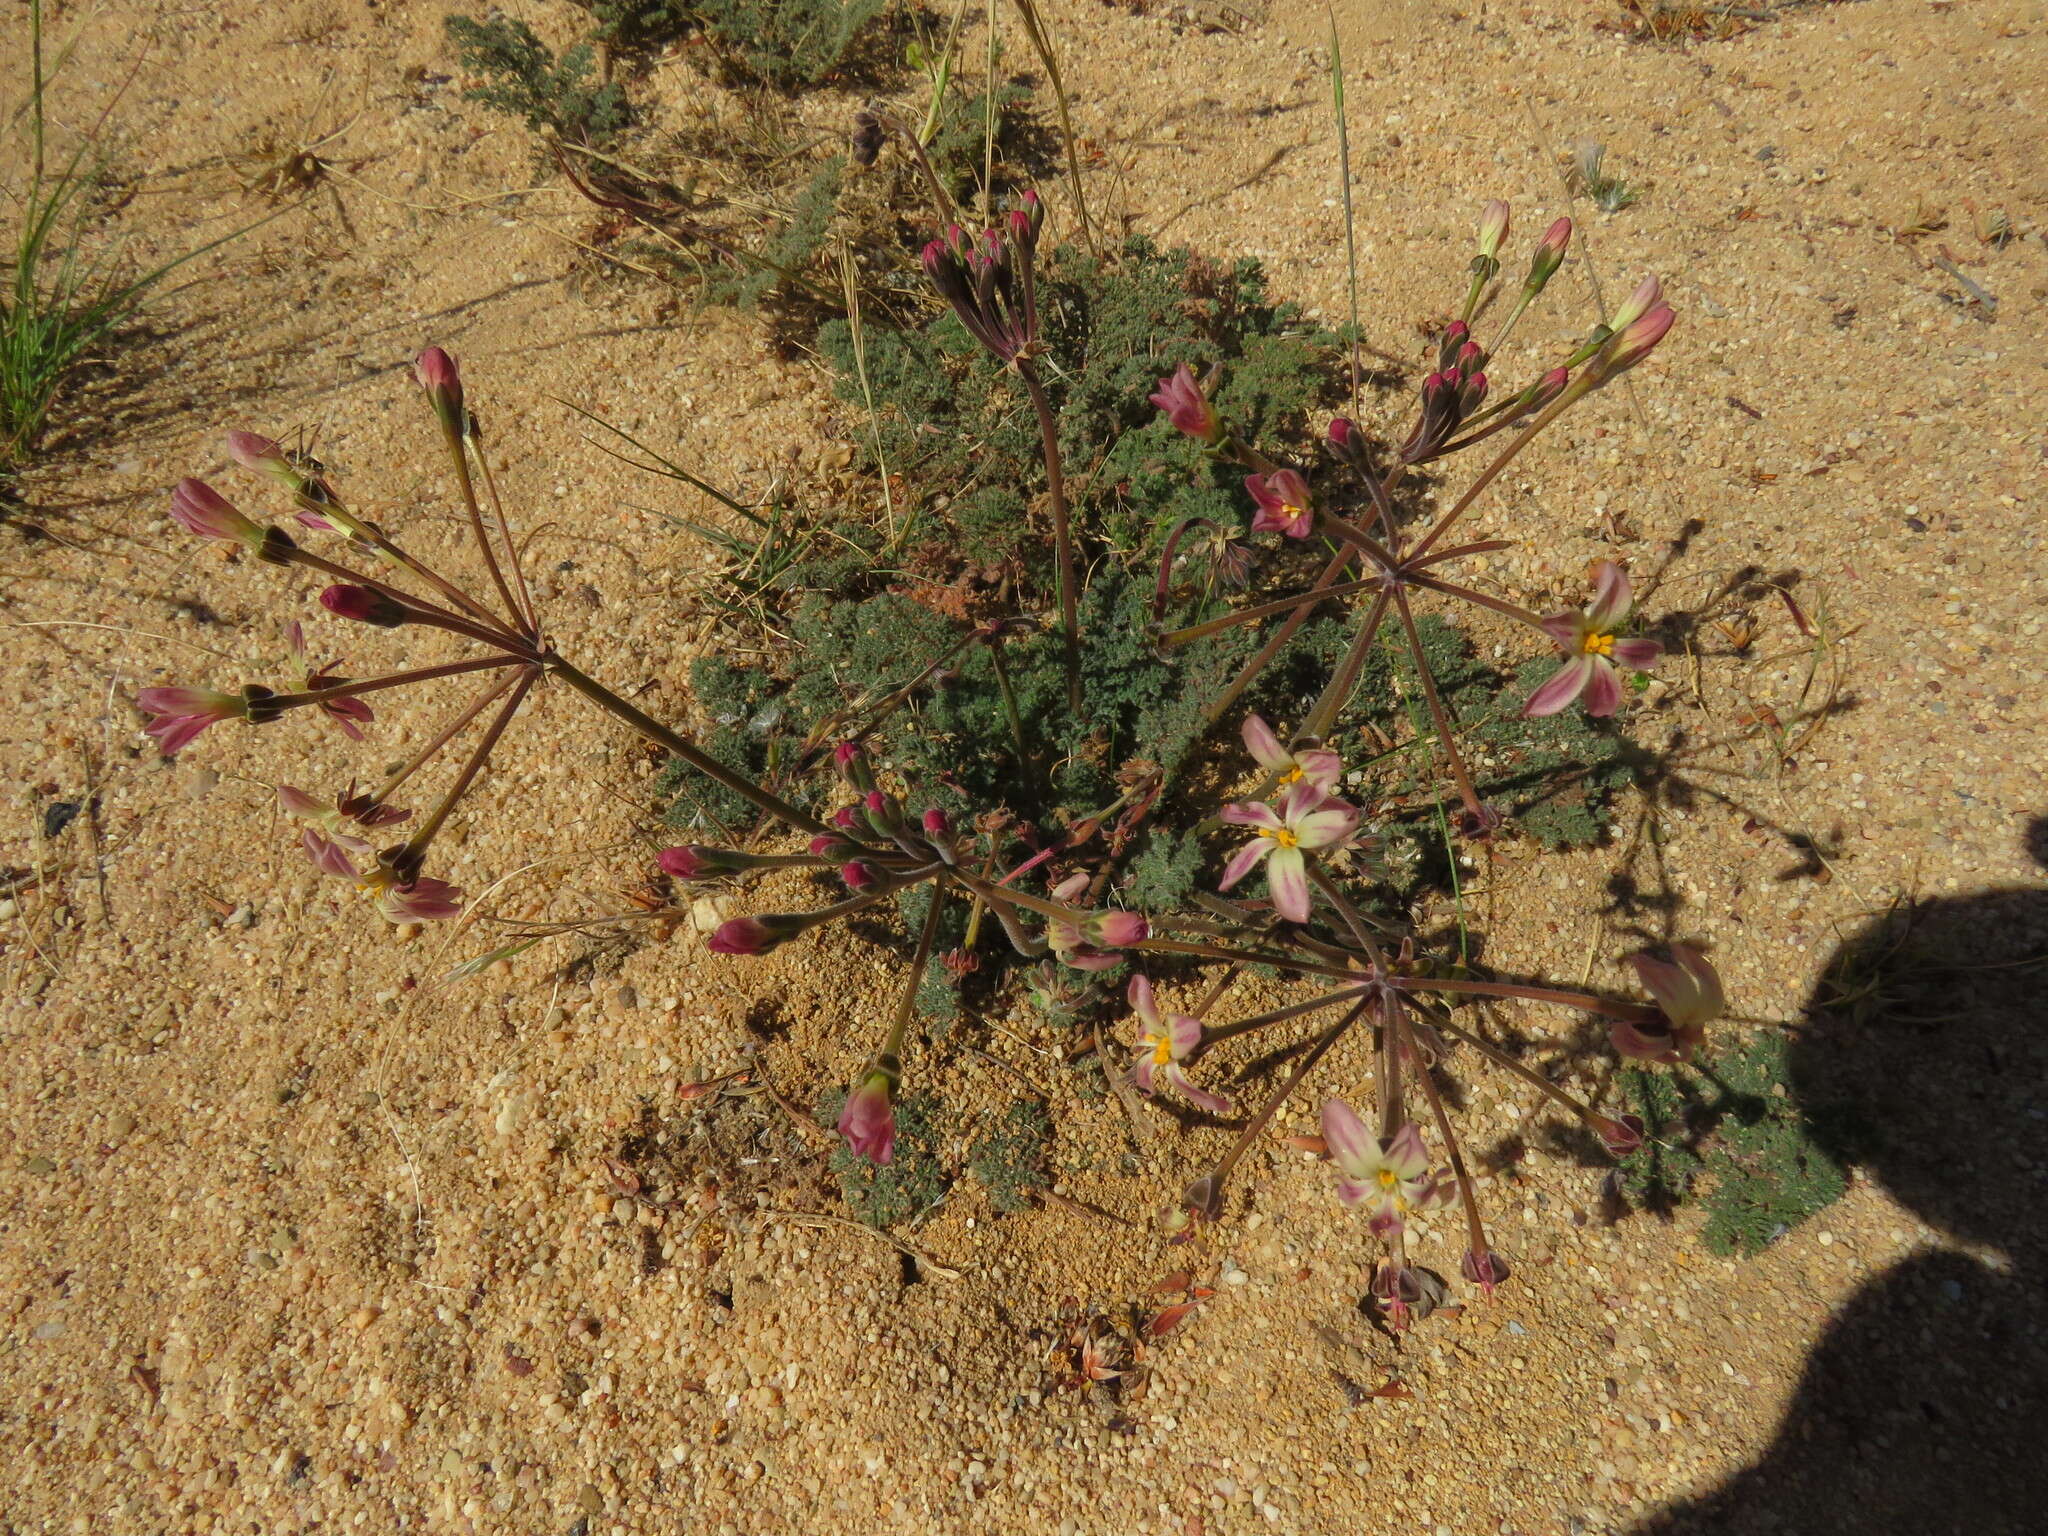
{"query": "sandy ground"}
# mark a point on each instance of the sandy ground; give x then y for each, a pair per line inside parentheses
(293, 1239)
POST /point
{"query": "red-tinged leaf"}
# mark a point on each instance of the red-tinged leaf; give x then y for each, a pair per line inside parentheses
(1394, 1387)
(1314, 1144)
(1169, 1319)
(1201, 1292)
(1173, 1284)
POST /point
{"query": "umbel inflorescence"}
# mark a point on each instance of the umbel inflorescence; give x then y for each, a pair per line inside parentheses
(1283, 891)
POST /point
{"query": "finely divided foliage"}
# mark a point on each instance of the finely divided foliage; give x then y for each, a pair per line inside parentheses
(1023, 869)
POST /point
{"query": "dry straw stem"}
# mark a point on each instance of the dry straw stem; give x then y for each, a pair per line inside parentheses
(1041, 43)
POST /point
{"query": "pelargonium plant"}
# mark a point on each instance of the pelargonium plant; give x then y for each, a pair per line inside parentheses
(1047, 891)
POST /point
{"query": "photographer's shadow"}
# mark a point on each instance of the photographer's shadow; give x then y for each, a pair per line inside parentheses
(1924, 1408)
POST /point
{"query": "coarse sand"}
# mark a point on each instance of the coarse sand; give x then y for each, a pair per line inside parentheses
(294, 1239)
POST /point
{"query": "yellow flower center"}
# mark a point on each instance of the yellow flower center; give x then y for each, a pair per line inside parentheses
(1284, 836)
(1162, 1048)
(1597, 644)
(1388, 1179)
(1292, 775)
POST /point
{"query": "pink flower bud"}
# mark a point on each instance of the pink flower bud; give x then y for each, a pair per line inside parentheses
(1649, 293)
(1115, 930)
(680, 863)
(255, 452)
(366, 605)
(1493, 228)
(741, 936)
(845, 819)
(856, 875)
(199, 508)
(1638, 340)
(868, 1120)
(937, 823)
(437, 375)
(1549, 253)
(826, 846)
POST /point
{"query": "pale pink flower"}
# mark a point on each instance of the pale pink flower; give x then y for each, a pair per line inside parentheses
(868, 1120)
(1313, 765)
(1688, 992)
(1165, 1040)
(1392, 1176)
(1307, 820)
(1283, 504)
(1592, 647)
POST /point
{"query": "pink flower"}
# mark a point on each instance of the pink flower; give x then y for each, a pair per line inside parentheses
(328, 855)
(1392, 1175)
(1688, 992)
(1314, 765)
(1306, 821)
(350, 714)
(340, 824)
(1592, 647)
(1283, 504)
(199, 508)
(1180, 397)
(868, 1120)
(419, 900)
(1164, 1042)
(180, 714)
(263, 456)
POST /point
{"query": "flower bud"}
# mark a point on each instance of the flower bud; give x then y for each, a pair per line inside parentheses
(754, 935)
(1649, 293)
(199, 508)
(1484, 1268)
(1636, 341)
(1115, 930)
(846, 818)
(696, 862)
(1549, 254)
(1493, 228)
(856, 875)
(437, 375)
(180, 714)
(937, 823)
(826, 846)
(366, 605)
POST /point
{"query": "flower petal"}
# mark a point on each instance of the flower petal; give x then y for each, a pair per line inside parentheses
(1214, 1103)
(1567, 629)
(1249, 813)
(1141, 1072)
(1351, 1192)
(1562, 686)
(1139, 995)
(1638, 654)
(1264, 746)
(1319, 766)
(1333, 824)
(1183, 1034)
(1287, 884)
(1603, 688)
(1244, 861)
(1385, 1220)
(1406, 1154)
(1610, 596)
(1353, 1148)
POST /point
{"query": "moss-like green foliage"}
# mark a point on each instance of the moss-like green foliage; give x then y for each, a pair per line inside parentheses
(522, 77)
(914, 1179)
(1730, 1134)
(638, 25)
(1010, 1157)
(785, 43)
(790, 251)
